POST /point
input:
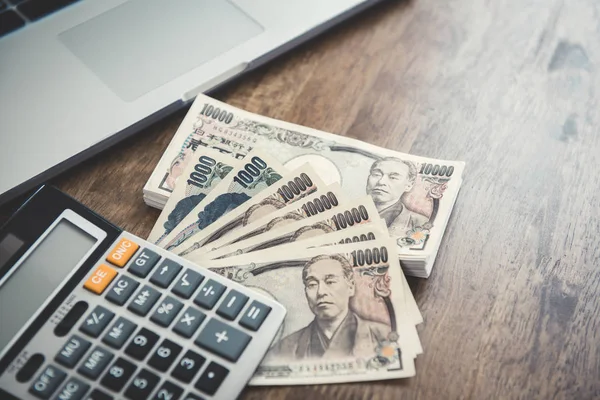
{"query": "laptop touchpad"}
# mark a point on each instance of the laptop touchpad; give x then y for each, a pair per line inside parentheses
(142, 44)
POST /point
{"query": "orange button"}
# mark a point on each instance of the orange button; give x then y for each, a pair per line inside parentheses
(100, 279)
(122, 252)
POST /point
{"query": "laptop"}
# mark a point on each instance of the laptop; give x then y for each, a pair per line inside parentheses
(79, 76)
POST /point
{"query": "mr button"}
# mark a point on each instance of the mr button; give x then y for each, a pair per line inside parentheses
(122, 252)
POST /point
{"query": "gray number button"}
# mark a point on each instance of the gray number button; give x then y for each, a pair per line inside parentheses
(166, 312)
(165, 273)
(144, 300)
(189, 322)
(72, 351)
(95, 323)
(223, 340)
(74, 389)
(122, 290)
(143, 263)
(187, 284)
(119, 333)
(47, 382)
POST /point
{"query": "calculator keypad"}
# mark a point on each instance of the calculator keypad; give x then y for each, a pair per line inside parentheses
(154, 329)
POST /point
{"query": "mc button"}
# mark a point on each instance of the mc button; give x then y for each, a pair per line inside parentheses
(100, 279)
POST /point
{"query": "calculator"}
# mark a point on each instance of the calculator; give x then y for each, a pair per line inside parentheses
(89, 311)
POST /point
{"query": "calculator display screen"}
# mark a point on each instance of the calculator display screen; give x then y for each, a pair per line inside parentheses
(39, 275)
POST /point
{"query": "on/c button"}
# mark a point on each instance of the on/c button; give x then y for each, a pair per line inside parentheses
(100, 279)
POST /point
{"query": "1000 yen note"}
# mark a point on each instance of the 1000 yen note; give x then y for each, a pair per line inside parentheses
(354, 213)
(296, 185)
(256, 172)
(346, 319)
(207, 169)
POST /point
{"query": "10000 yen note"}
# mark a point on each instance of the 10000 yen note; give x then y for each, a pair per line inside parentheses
(413, 195)
(347, 319)
(256, 172)
(197, 131)
(296, 185)
(206, 170)
(353, 213)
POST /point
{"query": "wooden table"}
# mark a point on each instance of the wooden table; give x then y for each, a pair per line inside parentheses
(511, 309)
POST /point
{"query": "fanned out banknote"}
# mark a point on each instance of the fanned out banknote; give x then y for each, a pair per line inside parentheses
(414, 195)
(324, 224)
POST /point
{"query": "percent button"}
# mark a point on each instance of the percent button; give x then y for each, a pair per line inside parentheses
(166, 311)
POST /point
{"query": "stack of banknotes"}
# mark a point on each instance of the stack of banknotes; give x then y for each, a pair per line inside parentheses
(322, 223)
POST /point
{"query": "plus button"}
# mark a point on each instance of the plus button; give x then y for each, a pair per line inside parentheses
(221, 336)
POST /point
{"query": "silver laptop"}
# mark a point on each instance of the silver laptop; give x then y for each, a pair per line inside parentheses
(78, 76)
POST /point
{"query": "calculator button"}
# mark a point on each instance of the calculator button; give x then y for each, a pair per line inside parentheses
(188, 366)
(144, 263)
(166, 312)
(189, 322)
(142, 385)
(47, 382)
(144, 300)
(118, 374)
(119, 332)
(72, 351)
(74, 389)
(211, 378)
(30, 368)
(209, 294)
(122, 290)
(69, 320)
(122, 252)
(141, 344)
(187, 284)
(168, 391)
(255, 315)
(165, 273)
(232, 305)
(95, 362)
(192, 396)
(100, 279)
(164, 355)
(98, 395)
(223, 340)
(96, 321)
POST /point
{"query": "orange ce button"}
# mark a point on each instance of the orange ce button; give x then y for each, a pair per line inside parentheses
(100, 279)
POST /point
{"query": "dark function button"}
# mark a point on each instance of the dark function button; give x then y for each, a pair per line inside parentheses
(164, 355)
(209, 294)
(96, 321)
(30, 368)
(192, 396)
(10, 21)
(72, 351)
(36, 9)
(166, 311)
(142, 385)
(141, 344)
(169, 391)
(188, 366)
(190, 321)
(95, 363)
(98, 395)
(255, 315)
(73, 389)
(69, 320)
(119, 333)
(47, 382)
(223, 340)
(232, 305)
(122, 290)
(211, 378)
(165, 273)
(144, 300)
(187, 284)
(144, 263)
(118, 374)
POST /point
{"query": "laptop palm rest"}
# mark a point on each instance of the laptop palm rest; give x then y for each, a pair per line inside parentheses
(143, 44)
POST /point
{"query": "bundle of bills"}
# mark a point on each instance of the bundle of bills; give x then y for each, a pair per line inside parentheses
(288, 176)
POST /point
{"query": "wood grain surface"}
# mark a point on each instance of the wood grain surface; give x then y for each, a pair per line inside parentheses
(511, 309)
